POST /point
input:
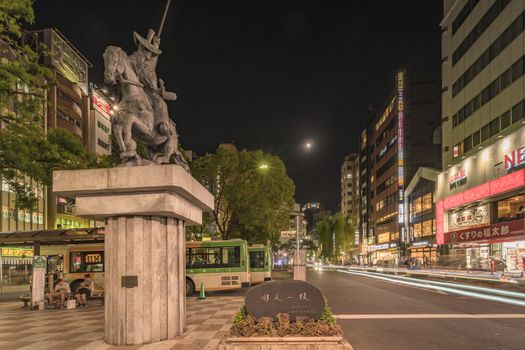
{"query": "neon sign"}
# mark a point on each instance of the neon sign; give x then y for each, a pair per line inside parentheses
(457, 179)
(400, 142)
(101, 105)
(517, 157)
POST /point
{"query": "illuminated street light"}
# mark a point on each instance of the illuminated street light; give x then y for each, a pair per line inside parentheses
(308, 145)
(263, 166)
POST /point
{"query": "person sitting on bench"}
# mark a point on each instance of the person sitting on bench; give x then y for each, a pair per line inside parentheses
(84, 289)
(61, 290)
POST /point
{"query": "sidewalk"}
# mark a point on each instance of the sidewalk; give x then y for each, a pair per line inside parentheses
(83, 329)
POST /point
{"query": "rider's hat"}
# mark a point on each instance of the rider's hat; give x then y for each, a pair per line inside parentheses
(150, 43)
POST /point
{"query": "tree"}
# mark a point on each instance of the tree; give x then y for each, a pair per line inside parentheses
(26, 151)
(253, 194)
(205, 230)
(336, 237)
(291, 245)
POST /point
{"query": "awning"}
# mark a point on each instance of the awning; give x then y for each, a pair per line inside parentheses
(67, 236)
(16, 261)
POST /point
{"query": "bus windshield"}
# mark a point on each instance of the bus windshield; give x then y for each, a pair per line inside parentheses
(256, 260)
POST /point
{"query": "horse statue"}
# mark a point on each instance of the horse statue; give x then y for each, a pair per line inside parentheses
(134, 117)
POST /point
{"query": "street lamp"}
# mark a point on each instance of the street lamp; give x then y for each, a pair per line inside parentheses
(263, 166)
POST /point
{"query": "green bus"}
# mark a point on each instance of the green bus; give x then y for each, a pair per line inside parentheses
(218, 265)
(260, 263)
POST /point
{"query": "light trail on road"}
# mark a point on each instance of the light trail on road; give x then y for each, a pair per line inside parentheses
(448, 284)
(425, 316)
(425, 285)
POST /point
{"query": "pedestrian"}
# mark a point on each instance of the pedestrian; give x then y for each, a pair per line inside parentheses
(492, 265)
(61, 291)
(425, 261)
(86, 287)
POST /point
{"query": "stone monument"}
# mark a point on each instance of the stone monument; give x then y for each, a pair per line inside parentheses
(298, 299)
(145, 203)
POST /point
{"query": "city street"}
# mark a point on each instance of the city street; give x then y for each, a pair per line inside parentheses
(382, 314)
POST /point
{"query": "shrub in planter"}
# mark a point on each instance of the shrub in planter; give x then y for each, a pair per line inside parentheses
(244, 325)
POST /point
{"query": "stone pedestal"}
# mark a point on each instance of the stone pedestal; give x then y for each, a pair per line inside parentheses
(146, 209)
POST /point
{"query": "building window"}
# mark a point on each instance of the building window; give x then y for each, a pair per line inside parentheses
(476, 138)
(417, 230)
(491, 91)
(426, 204)
(467, 143)
(426, 228)
(485, 133)
(505, 120)
(512, 208)
(463, 14)
(517, 112)
(416, 206)
(494, 127)
(487, 19)
(103, 144)
(63, 116)
(383, 237)
(102, 127)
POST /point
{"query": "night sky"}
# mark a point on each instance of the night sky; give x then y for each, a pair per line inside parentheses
(269, 74)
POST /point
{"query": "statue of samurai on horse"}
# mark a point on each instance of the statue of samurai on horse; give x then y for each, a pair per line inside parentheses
(142, 112)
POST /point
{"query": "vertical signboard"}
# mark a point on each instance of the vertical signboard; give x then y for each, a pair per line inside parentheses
(66, 59)
(39, 279)
(400, 142)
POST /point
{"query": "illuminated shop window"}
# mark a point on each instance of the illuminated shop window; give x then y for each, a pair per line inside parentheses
(417, 230)
(426, 202)
(426, 228)
(383, 237)
(512, 208)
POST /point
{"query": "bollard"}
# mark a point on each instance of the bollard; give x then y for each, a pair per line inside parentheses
(202, 293)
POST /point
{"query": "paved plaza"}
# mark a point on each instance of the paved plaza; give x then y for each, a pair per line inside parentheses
(83, 329)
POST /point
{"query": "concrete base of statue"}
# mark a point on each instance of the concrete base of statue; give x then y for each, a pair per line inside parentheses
(146, 209)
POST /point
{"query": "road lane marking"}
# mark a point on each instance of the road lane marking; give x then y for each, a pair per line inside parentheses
(444, 289)
(423, 316)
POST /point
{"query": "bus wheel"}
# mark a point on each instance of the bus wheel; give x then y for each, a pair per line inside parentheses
(190, 287)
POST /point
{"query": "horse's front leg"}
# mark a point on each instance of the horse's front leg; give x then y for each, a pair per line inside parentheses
(117, 131)
(130, 146)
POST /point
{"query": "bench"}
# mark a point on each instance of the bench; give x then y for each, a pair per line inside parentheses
(97, 297)
(25, 298)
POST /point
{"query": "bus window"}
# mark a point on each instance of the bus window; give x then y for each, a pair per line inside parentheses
(231, 256)
(203, 257)
(256, 260)
(86, 262)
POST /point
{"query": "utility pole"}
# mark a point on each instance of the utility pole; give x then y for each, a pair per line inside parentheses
(299, 270)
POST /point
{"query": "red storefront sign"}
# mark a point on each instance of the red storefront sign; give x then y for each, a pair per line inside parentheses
(501, 231)
(101, 105)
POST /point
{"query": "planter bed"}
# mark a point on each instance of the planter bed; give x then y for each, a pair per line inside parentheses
(285, 343)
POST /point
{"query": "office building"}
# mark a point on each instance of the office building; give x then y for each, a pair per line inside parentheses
(349, 191)
(479, 195)
(402, 137)
(420, 225)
